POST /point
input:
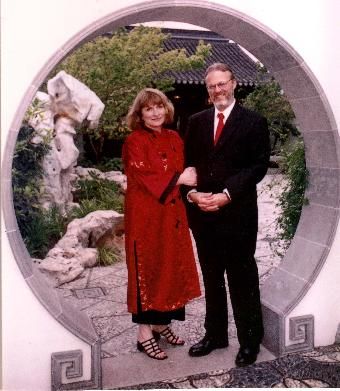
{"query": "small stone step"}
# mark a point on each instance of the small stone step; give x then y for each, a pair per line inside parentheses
(137, 369)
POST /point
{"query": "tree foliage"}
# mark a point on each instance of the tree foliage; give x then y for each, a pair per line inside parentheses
(268, 99)
(116, 68)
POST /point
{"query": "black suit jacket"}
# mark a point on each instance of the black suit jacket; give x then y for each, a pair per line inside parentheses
(237, 163)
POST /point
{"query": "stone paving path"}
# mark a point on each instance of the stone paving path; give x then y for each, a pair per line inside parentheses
(317, 369)
(100, 292)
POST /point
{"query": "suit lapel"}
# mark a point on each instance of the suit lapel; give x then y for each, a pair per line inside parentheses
(229, 127)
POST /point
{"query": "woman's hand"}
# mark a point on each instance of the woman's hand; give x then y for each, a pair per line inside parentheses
(188, 177)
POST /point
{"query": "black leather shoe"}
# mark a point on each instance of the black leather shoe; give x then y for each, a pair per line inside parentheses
(246, 356)
(206, 346)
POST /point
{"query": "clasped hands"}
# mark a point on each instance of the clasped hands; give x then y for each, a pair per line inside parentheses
(209, 202)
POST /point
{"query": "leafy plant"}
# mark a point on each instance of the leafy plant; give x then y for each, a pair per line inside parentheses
(107, 256)
(44, 231)
(293, 196)
(97, 194)
(26, 175)
(113, 164)
(268, 99)
(40, 229)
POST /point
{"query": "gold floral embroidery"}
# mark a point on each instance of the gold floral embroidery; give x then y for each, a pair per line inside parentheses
(137, 164)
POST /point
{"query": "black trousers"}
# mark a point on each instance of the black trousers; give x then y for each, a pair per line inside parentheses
(228, 253)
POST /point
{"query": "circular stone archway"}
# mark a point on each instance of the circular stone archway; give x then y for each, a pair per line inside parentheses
(309, 249)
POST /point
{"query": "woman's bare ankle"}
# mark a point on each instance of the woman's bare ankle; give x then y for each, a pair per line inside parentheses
(144, 332)
(159, 327)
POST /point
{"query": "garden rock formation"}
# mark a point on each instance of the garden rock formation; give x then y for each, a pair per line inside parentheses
(68, 104)
(77, 249)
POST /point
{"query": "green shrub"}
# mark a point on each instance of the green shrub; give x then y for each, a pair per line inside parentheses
(26, 176)
(113, 164)
(293, 195)
(40, 229)
(268, 99)
(44, 231)
(97, 194)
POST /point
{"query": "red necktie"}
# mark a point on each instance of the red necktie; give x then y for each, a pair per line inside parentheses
(219, 127)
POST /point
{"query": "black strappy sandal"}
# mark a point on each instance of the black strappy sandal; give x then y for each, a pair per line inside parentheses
(169, 335)
(150, 348)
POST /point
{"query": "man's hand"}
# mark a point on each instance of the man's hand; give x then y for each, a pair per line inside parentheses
(209, 202)
(198, 196)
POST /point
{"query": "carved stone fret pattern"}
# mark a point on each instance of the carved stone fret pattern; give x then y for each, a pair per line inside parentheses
(301, 330)
(73, 361)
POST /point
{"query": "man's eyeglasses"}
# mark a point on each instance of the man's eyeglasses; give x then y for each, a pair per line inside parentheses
(221, 85)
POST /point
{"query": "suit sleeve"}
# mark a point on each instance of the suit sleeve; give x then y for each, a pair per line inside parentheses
(148, 172)
(258, 150)
(188, 142)
(188, 155)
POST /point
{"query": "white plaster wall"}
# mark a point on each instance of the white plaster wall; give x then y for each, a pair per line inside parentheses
(31, 32)
(30, 36)
(30, 334)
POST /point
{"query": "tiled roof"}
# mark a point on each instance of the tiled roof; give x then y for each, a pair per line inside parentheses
(223, 50)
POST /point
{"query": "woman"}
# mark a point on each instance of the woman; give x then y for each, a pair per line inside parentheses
(162, 275)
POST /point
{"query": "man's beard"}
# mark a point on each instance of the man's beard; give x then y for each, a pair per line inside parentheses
(222, 104)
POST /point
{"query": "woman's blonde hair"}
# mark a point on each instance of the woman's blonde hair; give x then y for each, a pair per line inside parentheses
(146, 97)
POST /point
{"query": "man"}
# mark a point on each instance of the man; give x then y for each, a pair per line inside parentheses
(231, 156)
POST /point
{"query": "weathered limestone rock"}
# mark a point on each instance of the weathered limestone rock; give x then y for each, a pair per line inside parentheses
(77, 248)
(73, 99)
(67, 104)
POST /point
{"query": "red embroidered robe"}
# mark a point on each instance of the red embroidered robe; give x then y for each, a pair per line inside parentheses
(159, 254)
